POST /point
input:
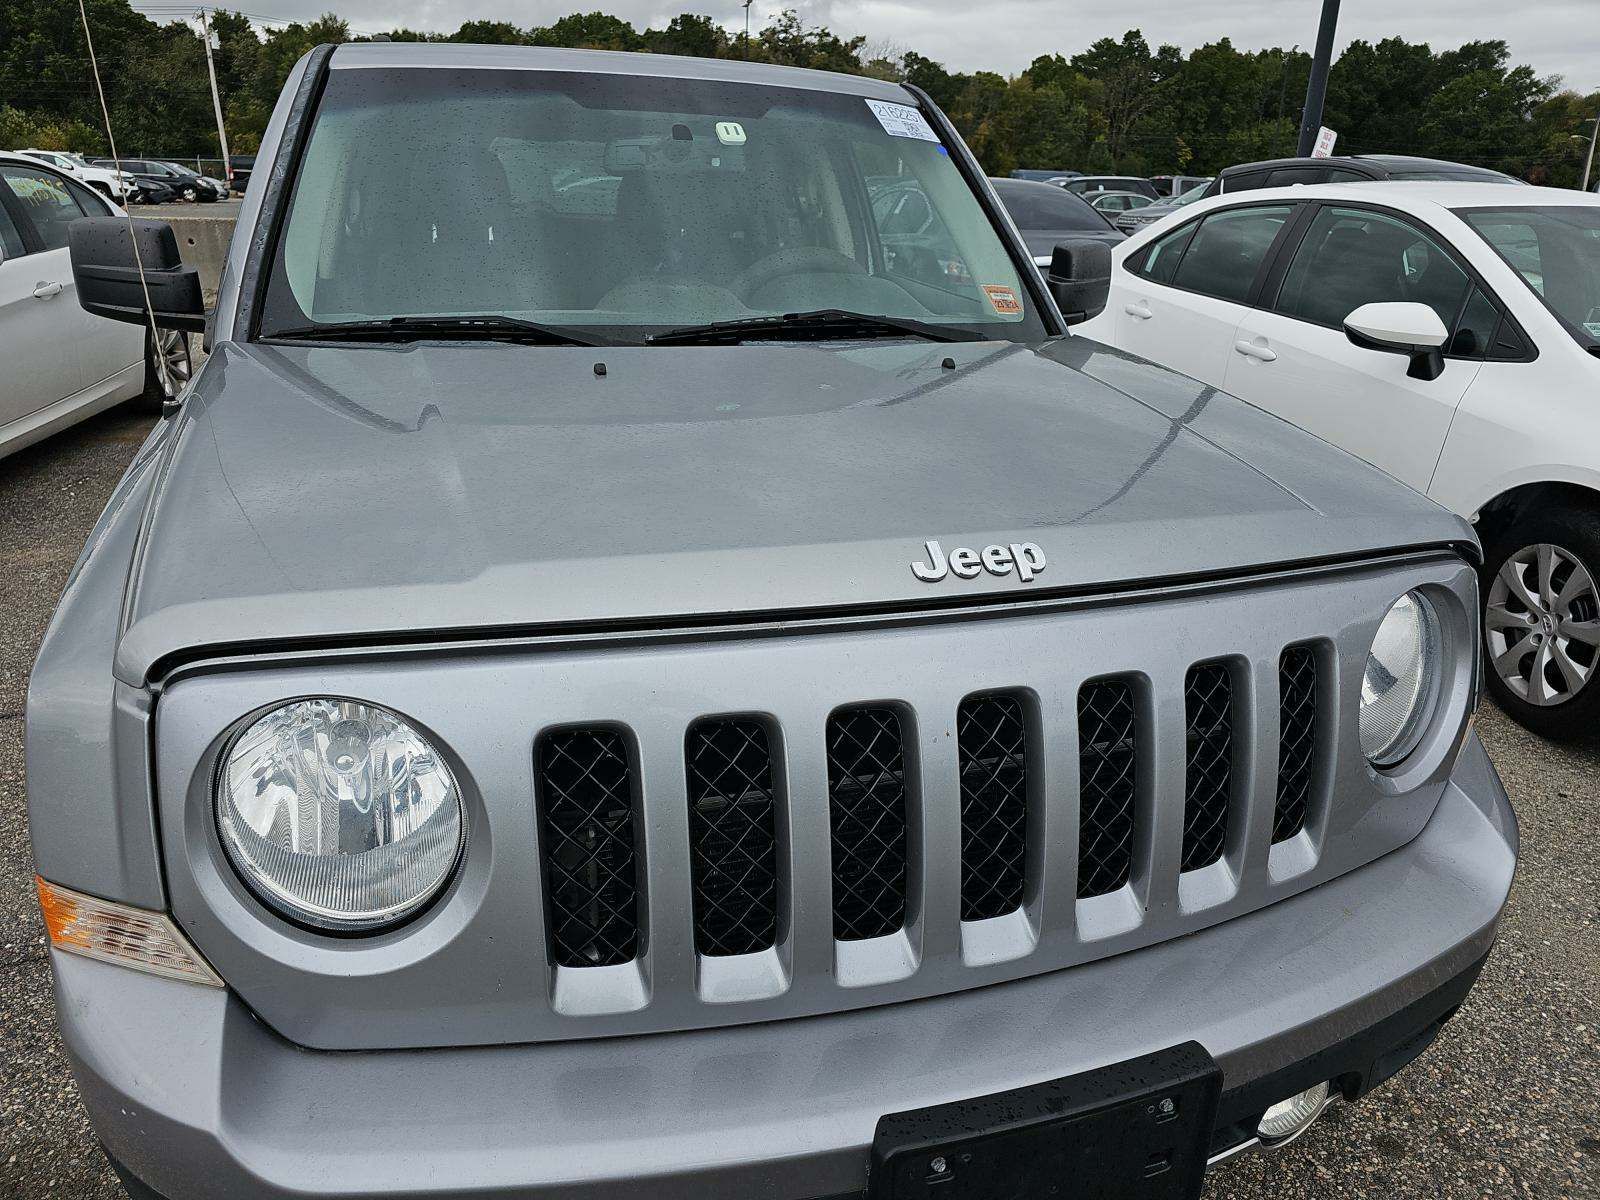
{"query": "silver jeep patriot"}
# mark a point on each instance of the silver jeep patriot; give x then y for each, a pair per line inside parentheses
(648, 664)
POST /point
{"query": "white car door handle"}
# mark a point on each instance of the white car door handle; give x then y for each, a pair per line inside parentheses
(43, 291)
(1256, 350)
(1139, 309)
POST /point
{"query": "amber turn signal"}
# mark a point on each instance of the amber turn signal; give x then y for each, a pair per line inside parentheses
(120, 934)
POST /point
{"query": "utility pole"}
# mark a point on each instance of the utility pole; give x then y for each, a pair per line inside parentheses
(216, 99)
(1588, 163)
(1317, 87)
(747, 4)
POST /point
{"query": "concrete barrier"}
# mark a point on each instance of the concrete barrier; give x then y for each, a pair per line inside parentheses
(203, 243)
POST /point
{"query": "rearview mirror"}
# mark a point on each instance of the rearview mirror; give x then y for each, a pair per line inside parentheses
(1080, 278)
(106, 270)
(1401, 327)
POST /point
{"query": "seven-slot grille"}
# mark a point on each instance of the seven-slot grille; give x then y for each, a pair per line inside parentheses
(588, 795)
(867, 816)
(733, 845)
(992, 735)
(1107, 785)
(1297, 740)
(1208, 775)
(585, 795)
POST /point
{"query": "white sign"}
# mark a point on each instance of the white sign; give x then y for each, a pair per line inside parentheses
(902, 120)
(1325, 140)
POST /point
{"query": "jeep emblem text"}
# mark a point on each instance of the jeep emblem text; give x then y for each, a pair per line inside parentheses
(1025, 558)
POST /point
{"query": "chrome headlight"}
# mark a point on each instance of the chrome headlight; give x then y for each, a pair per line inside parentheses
(339, 814)
(1401, 680)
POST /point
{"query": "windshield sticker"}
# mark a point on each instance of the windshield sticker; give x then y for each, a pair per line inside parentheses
(730, 133)
(1593, 327)
(901, 120)
(1003, 300)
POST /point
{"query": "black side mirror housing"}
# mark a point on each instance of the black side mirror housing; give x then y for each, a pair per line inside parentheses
(1080, 278)
(105, 268)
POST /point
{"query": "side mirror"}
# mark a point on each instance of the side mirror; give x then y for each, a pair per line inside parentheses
(106, 270)
(1080, 278)
(1401, 328)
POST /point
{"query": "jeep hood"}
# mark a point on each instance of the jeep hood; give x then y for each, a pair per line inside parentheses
(327, 494)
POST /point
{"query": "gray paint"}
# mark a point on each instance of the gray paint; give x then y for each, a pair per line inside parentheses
(434, 983)
(493, 540)
(201, 1099)
(330, 492)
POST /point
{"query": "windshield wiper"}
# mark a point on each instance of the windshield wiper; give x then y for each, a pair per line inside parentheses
(413, 329)
(820, 325)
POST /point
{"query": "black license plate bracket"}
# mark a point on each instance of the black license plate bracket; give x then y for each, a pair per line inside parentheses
(1136, 1130)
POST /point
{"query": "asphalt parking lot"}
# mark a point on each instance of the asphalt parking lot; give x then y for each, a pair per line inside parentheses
(1505, 1105)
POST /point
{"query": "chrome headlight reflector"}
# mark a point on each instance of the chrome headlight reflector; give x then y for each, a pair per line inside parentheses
(339, 814)
(1401, 680)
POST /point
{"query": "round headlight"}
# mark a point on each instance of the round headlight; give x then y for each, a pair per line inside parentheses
(339, 814)
(1401, 678)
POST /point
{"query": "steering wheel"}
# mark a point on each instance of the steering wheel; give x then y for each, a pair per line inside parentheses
(800, 260)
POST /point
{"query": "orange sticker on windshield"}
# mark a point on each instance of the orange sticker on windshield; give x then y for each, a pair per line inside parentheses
(1002, 299)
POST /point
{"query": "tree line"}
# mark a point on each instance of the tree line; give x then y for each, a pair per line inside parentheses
(1119, 105)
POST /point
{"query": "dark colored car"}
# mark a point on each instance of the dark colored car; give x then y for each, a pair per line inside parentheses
(1039, 176)
(1353, 168)
(241, 165)
(1112, 183)
(1045, 214)
(179, 182)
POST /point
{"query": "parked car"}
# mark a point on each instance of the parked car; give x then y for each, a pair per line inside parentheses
(242, 165)
(110, 184)
(1178, 185)
(1045, 216)
(1043, 176)
(1135, 219)
(1349, 168)
(547, 702)
(1111, 204)
(1084, 184)
(61, 364)
(170, 181)
(1448, 333)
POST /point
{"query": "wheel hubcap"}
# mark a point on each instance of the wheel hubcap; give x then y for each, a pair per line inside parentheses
(1542, 624)
(172, 363)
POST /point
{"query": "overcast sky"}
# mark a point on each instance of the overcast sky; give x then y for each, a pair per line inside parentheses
(1557, 37)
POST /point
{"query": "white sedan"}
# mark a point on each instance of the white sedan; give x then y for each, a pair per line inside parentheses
(60, 364)
(1448, 333)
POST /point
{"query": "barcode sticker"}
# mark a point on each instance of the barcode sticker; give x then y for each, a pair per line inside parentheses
(901, 120)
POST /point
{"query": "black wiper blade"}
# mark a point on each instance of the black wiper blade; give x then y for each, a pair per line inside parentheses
(819, 325)
(412, 329)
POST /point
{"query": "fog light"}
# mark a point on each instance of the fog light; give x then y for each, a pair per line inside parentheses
(1290, 1118)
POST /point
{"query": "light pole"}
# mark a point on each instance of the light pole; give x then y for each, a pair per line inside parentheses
(747, 4)
(1588, 163)
(216, 98)
(1317, 86)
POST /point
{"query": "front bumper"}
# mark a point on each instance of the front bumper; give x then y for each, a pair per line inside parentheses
(194, 1097)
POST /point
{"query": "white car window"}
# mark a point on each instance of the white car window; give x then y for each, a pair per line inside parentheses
(46, 200)
(10, 239)
(1353, 256)
(1227, 252)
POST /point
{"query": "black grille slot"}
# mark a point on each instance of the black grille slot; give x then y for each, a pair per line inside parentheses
(1297, 740)
(586, 825)
(1107, 781)
(733, 849)
(867, 814)
(1208, 781)
(992, 738)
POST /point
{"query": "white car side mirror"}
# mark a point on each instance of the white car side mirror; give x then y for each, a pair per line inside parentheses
(1401, 327)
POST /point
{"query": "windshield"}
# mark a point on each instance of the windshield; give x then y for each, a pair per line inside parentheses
(626, 205)
(1044, 206)
(1556, 250)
